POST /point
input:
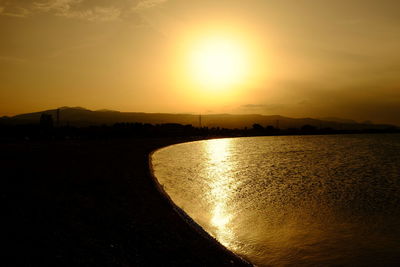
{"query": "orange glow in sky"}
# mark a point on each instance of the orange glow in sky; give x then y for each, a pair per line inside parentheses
(308, 58)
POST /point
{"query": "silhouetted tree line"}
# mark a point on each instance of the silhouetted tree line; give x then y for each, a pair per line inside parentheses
(45, 129)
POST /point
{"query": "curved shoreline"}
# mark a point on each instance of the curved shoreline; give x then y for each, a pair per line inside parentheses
(192, 223)
(95, 203)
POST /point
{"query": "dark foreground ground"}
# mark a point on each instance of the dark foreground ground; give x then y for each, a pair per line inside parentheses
(93, 203)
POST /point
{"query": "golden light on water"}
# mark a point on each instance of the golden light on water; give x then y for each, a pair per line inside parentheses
(222, 188)
(267, 200)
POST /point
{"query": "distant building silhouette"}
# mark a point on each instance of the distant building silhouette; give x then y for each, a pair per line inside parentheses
(270, 128)
(308, 128)
(46, 121)
(257, 127)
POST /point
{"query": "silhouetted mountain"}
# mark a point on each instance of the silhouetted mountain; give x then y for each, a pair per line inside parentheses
(367, 122)
(341, 120)
(78, 116)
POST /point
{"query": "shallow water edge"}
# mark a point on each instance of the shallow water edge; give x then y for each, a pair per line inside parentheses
(308, 200)
(185, 217)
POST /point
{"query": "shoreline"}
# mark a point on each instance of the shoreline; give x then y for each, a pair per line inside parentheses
(185, 217)
(95, 203)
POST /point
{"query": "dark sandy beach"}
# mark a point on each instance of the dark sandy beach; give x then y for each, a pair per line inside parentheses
(93, 203)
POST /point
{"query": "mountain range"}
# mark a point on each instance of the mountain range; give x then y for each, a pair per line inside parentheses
(80, 117)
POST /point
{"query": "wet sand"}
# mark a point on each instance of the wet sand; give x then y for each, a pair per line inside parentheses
(94, 203)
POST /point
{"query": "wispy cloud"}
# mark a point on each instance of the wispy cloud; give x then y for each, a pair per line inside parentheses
(11, 9)
(92, 10)
(144, 4)
(56, 6)
(262, 107)
(12, 59)
(79, 9)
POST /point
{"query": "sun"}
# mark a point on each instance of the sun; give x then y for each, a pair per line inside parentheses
(213, 64)
(218, 63)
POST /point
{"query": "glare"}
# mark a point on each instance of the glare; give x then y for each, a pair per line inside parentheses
(218, 63)
(221, 188)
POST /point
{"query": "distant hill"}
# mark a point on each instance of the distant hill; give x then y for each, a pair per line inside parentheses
(77, 116)
(341, 120)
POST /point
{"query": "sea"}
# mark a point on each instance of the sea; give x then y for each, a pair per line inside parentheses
(331, 200)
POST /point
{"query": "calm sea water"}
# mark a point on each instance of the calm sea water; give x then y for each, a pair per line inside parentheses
(295, 200)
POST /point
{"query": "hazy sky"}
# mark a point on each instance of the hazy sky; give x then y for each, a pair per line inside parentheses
(306, 58)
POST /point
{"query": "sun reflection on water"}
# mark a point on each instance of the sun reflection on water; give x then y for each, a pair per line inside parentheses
(283, 201)
(222, 188)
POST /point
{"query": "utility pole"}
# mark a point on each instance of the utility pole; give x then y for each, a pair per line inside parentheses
(58, 117)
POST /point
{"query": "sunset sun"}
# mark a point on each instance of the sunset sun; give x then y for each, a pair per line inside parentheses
(218, 63)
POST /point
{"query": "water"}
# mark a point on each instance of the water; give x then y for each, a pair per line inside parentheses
(295, 200)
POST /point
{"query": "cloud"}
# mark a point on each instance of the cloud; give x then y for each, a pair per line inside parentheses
(81, 9)
(91, 10)
(59, 6)
(253, 106)
(12, 9)
(12, 59)
(144, 4)
(262, 107)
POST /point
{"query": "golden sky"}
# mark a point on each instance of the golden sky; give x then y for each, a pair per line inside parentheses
(299, 58)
